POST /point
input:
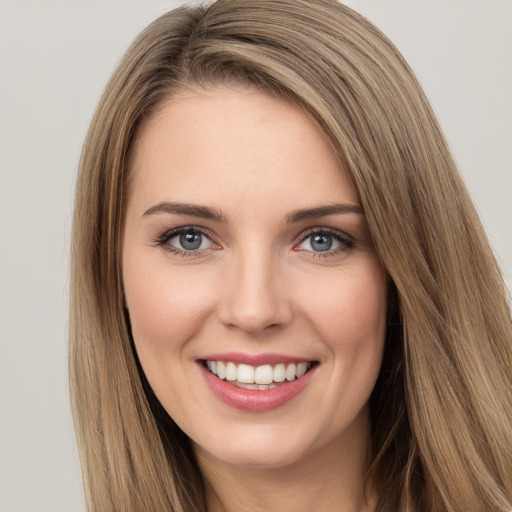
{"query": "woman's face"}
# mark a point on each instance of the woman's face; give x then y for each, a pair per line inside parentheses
(247, 262)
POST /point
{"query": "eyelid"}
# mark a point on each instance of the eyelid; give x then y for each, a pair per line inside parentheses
(169, 234)
(323, 229)
(346, 241)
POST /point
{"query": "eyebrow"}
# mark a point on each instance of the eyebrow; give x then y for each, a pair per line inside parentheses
(207, 212)
(322, 211)
(193, 210)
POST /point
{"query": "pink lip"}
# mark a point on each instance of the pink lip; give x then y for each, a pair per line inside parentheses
(253, 400)
(254, 359)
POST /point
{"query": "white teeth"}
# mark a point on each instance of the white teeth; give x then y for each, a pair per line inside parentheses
(246, 386)
(259, 387)
(231, 372)
(279, 372)
(291, 371)
(264, 374)
(245, 374)
(221, 370)
(302, 368)
(257, 377)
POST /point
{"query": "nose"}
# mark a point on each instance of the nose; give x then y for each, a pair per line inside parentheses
(255, 298)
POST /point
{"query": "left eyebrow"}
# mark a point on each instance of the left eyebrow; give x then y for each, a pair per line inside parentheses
(322, 211)
(192, 210)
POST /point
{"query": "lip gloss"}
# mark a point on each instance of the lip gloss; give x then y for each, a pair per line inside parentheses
(253, 400)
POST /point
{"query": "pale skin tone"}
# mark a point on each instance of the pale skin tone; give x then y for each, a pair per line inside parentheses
(278, 259)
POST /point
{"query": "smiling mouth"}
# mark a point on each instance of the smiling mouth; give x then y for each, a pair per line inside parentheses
(258, 377)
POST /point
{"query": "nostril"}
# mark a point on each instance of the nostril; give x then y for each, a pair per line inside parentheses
(253, 301)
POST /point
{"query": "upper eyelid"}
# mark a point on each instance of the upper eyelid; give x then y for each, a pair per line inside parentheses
(180, 229)
(332, 231)
(171, 233)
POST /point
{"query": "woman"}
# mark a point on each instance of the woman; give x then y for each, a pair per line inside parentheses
(282, 297)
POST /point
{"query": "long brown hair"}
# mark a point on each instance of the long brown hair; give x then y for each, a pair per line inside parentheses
(442, 406)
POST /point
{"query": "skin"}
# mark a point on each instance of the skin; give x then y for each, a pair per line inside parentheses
(255, 286)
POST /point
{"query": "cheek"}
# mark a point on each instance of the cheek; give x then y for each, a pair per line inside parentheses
(165, 307)
(350, 311)
(350, 316)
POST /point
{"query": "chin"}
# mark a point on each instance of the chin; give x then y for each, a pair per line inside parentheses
(254, 447)
(273, 445)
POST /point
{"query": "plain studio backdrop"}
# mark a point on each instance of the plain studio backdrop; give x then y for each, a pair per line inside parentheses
(55, 58)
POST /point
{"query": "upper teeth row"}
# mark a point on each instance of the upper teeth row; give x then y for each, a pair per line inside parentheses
(265, 374)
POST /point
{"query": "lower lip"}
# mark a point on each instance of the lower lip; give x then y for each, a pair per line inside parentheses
(253, 400)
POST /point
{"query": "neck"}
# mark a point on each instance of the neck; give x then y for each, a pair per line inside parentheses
(331, 478)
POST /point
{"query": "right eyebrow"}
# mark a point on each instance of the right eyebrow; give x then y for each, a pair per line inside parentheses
(324, 211)
(193, 210)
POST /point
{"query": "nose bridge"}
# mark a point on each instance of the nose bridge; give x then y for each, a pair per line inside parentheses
(255, 297)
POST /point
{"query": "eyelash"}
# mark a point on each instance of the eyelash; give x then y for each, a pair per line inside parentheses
(163, 240)
(346, 242)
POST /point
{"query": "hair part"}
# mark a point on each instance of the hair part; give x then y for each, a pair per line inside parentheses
(441, 409)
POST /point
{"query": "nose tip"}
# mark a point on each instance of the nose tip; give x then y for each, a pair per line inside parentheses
(252, 321)
(255, 300)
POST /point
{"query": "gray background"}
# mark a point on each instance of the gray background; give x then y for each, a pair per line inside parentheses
(55, 58)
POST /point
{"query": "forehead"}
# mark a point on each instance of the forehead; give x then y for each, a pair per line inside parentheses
(235, 140)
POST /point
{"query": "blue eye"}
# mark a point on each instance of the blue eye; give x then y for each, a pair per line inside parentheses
(325, 242)
(185, 240)
(189, 241)
(321, 242)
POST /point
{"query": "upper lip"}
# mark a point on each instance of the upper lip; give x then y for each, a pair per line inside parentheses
(255, 359)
